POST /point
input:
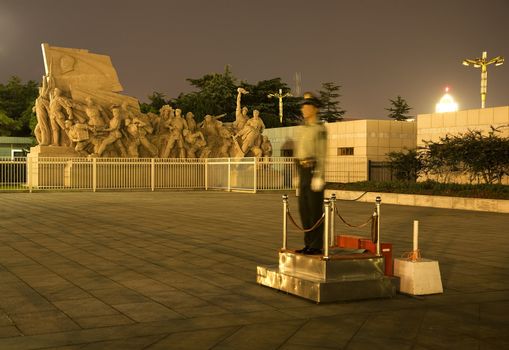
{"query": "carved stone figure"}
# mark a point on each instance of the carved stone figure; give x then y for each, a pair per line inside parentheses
(240, 113)
(79, 135)
(266, 146)
(137, 131)
(114, 133)
(41, 108)
(210, 128)
(227, 142)
(95, 114)
(205, 152)
(80, 111)
(57, 105)
(251, 132)
(194, 142)
(191, 123)
(177, 124)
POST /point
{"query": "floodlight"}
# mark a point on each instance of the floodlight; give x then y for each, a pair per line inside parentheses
(483, 63)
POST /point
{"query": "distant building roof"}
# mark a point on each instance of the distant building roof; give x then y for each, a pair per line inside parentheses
(16, 140)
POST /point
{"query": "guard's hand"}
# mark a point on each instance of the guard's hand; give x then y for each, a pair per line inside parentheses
(317, 184)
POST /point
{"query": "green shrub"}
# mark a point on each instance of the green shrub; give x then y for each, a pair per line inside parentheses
(494, 191)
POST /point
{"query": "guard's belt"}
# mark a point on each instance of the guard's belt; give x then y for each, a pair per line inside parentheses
(307, 162)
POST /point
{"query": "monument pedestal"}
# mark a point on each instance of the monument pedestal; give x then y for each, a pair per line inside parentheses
(48, 166)
(340, 278)
(53, 151)
(419, 277)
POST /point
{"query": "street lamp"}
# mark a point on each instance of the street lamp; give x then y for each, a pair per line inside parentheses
(280, 96)
(483, 63)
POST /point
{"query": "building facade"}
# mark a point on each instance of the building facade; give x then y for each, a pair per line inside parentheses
(431, 127)
(351, 145)
(12, 147)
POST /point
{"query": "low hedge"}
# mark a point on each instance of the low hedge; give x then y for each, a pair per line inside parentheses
(427, 188)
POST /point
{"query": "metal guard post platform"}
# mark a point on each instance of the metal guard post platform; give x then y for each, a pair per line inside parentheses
(334, 276)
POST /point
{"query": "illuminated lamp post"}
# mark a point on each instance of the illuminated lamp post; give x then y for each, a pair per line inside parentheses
(280, 96)
(446, 103)
(483, 63)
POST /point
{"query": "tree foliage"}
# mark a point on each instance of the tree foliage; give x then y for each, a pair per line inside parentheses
(330, 110)
(217, 93)
(399, 109)
(16, 102)
(480, 157)
(406, 165)
(156, 102)
(269, 107)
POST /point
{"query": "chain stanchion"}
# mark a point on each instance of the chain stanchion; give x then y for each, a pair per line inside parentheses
(355, 226)
(327, 210)
(285, 225)
(329, 233)
(318, 223)
(378, 201)
(332, 221)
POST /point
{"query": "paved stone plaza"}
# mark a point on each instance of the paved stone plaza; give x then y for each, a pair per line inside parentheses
(176, 270)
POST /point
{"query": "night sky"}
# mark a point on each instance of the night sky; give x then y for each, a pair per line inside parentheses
(374, 49)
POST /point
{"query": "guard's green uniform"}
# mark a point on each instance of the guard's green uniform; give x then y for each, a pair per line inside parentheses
(311, 152)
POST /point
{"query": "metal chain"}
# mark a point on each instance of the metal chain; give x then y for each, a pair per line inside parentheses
(355, 199)
(318, 223)
(350, 225)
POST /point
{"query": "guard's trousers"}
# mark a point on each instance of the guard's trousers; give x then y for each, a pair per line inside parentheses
(310, 209)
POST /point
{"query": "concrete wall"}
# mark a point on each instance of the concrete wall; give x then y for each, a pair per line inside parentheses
(10, 143)
(431, 127)
(371, 139)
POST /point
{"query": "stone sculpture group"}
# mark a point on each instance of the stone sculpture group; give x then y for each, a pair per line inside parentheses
(79, 107)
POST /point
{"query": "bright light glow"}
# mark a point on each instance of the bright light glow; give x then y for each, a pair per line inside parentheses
(446, 103)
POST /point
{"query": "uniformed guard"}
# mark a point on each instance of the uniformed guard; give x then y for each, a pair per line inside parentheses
(310, 153)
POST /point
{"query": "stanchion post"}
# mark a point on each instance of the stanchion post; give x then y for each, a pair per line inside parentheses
(285, 216)
(326, 205)
(332, 220)
(378, 201)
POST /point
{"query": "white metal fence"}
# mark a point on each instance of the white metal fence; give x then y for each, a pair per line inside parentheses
(230, 174)
(13, 174)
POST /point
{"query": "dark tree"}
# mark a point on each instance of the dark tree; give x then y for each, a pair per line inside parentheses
(156, 102)
(269, 107)
(330, 110)
(16, 101)
(399, 109)
(481, 156)
(406, 165)
(215, 95)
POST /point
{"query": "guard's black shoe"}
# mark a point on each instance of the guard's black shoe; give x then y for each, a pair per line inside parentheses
(313, 251)
(302, 251)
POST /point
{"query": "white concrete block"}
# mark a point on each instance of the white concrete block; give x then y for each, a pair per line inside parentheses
(418, 277)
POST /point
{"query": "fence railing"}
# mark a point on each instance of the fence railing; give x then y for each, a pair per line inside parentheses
(13, 174)
(229, 174)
